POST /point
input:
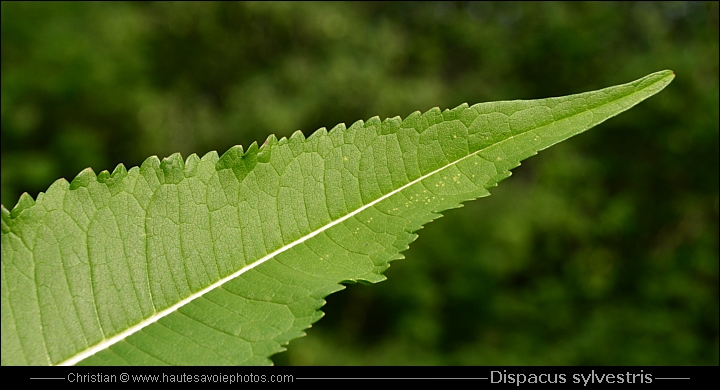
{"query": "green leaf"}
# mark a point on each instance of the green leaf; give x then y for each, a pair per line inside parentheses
(224, 260)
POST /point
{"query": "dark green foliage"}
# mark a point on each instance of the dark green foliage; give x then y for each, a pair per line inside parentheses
(603, 251)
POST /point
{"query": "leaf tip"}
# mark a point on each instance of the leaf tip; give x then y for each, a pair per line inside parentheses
(656, 82)
(669, 74)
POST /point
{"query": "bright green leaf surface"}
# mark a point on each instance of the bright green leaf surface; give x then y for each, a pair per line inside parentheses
(224, 260)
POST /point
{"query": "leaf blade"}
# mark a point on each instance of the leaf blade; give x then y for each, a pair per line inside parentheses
(335, 207)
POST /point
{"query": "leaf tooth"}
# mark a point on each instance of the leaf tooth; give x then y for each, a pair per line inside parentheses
(412, 120)
(150, 170)
(211, 156)
(174, 158)
(264, 153)
(390, 125)
(191, 165)
(460, 107)
(357, 125)
(173, 168)
(119, 170)
(241, 163)
(150, 162)
(431, 117)
(5, 213)
(271, 140)
(373, 122)
(103, 176)
(227, 159)
(23, 203)
(252, 150)
(432, 111)
(454, 113)
(83, 179)
(339, 127)
(114, 181)
(297, 136)
(318, 133)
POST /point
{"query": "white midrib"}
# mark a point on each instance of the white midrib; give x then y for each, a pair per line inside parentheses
(157, 316)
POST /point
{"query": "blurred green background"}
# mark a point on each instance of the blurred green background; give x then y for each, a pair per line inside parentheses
(600, 250)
